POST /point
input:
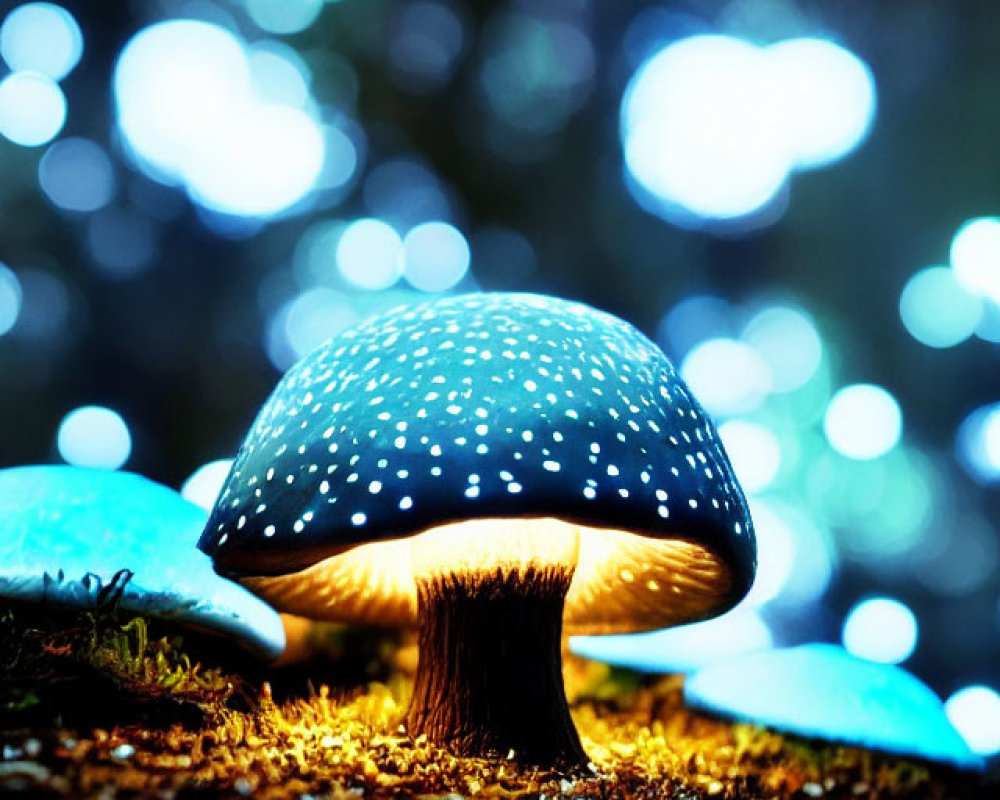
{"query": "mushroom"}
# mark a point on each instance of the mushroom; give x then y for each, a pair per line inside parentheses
(686, 648)
(820, 691)
(69, 535)
(487, 468)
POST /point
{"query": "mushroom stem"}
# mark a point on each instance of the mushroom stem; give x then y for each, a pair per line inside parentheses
(489, 679)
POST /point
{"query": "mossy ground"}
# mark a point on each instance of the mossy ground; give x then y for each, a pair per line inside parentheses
(238, 738)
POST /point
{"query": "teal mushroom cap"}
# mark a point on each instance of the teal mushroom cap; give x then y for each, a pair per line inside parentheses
(67, 532)
(821, 691)
(686, 648)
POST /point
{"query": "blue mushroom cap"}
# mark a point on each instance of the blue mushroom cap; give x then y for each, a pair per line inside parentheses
(65, 532)
(686, 648)
(821, 691)
(486, 406)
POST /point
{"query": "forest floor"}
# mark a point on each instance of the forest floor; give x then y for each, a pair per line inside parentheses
(115, 712)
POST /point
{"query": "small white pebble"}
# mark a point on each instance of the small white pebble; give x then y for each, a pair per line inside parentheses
(123, 751)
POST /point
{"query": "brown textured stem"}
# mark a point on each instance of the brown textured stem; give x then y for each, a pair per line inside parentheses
(489, 679)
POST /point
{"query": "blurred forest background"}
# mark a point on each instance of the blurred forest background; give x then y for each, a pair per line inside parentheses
(799, 201)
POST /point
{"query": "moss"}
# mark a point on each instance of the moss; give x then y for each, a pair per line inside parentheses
(154, 668)
(56, 662)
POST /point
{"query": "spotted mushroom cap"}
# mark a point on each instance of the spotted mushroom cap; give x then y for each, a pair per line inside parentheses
(66, 532)
(485, 406)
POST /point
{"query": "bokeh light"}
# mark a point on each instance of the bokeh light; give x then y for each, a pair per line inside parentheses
(191, 114)
(279, 74)
(937, 310)
(978, 443)
(537, 73)
(307, 321)
(315, 258)
(259, 163)
(46, 306)
(10, 298)
(863, 421)
(960, 558)
(828, 97)
(121, 242)
(692, 320)
(989, 325)
(77, 175)
(205, 483)
(815, 560)
(42, 38)
(795, 559)
(435, 257)
(727, 376)
(426, 40)
(754, 451)
(880, 629)
(776, 551)
(975, 256)
(284, 16)
(713, 125)
(881, 507)
(344, 151)
(975, 713)
(788, 341)
(93, 436)
(32, 108)
(404, 192)
(370, 254)
(695, 131)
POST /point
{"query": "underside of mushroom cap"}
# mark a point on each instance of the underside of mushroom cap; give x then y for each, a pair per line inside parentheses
(489, 407)
(621, 581)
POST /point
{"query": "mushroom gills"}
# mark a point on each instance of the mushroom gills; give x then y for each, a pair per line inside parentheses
(623, 582)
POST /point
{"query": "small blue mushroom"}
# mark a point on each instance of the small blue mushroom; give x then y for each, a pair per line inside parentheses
(686, 648)
(820, 691)
(487, 468)
(66, 532)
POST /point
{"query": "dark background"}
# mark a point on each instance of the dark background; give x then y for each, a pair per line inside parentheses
(179, 349)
